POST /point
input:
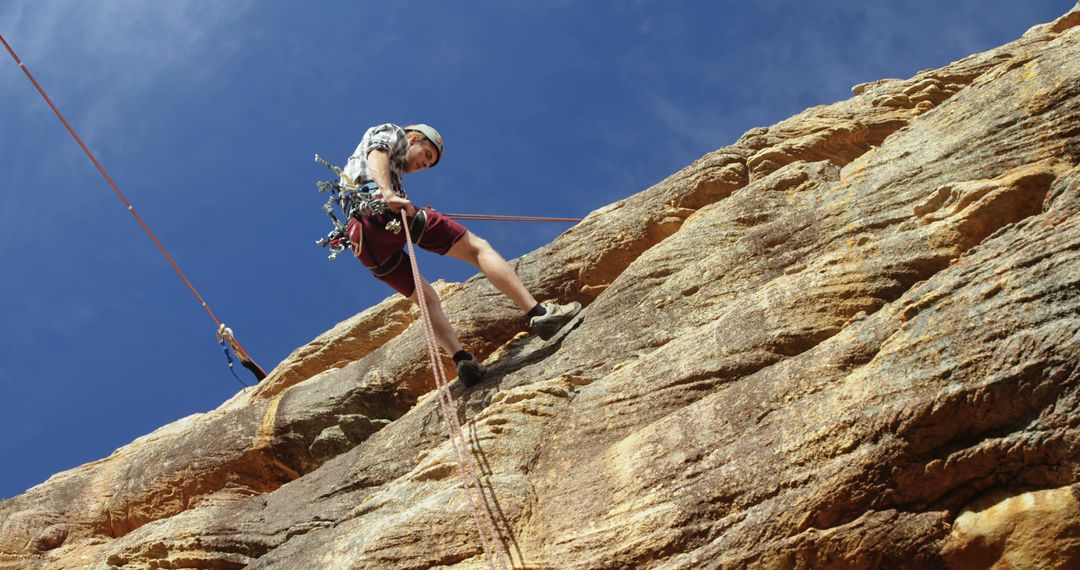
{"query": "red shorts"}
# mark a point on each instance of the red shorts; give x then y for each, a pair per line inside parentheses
(383, 252)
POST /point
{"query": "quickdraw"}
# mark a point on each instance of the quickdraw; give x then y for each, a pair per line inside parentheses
(354, 201)
(227, 340)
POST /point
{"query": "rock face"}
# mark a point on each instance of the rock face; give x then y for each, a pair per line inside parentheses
(849, 340)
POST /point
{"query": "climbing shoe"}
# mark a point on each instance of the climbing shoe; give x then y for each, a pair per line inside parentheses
(555, 318)
(470, 371)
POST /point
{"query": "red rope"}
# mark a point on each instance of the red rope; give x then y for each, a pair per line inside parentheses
(466, 466)
(120, 194)
(510, 218)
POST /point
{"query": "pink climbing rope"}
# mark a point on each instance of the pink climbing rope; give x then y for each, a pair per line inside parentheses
(485, 526)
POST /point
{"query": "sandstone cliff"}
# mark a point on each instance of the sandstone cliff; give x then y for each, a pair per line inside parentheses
(849, 340)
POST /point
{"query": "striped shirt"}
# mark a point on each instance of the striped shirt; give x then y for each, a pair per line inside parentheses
(388, 137)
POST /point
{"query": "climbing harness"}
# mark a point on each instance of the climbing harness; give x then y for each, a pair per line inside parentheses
(485, 527)
(365, 201)
(244, 358)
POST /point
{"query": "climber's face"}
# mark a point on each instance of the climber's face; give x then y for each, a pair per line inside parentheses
(421, 154)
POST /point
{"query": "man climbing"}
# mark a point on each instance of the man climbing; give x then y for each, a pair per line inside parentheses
(384, 155)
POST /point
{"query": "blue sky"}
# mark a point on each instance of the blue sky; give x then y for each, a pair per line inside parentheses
(207, 114)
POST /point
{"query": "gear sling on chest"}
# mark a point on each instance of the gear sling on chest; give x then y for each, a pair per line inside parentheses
(374, 232)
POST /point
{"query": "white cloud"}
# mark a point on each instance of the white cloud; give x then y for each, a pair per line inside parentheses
(143, 36)
(133, 43)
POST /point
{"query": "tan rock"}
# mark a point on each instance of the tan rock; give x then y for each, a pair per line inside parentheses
(1039, 529)
(350, 340)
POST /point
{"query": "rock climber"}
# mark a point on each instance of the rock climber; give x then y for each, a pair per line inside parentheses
(385, 154)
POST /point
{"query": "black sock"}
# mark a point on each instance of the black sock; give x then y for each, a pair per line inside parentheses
(462, 355)
(537, 311)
